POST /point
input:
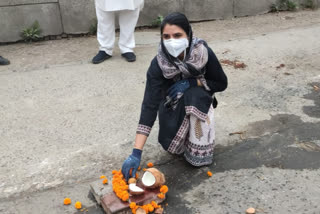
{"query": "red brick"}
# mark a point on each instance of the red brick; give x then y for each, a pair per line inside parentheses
(112, 204)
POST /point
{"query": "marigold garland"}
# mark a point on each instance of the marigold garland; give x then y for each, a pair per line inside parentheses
(147, 207)
(119, 185)
(133, 205)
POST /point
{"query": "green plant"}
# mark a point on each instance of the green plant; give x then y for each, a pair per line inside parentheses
(291, 5)
(32, 33)
(309, 4)
(283, 5)
(157, 22)
(274, 8)
(93, 27)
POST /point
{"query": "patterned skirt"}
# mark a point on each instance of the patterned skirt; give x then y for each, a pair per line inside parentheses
(189, 129)
(195, 139)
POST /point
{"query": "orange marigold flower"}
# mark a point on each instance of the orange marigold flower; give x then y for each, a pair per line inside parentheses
(102, 176)
(150, 164)
(164, 189)
(114, 172)
(125, 197)
(209, 173)
(137, 175)
(161, 195)
(154, 204)
(144, 169)
(67, 201)
(150, 208)
(146, 208)
(133, 205)
(105, 181)
(78, 205)
(123, 188)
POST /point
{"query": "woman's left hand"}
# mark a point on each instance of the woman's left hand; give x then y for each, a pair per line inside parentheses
(180, 87)
(132, 162)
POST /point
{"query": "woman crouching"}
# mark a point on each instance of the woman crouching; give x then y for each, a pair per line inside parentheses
(181, 82)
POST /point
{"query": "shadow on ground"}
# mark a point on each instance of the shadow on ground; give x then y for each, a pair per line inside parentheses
(313, 111)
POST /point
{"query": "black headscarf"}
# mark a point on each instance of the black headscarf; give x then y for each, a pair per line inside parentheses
(180, 20)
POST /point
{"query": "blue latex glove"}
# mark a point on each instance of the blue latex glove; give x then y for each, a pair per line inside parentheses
(180, 87)
(132, 162)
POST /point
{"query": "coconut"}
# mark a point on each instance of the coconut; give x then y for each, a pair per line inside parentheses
(132, 181)
(135, 190)
(140, 211)
(251, 210)
(158, 211)
(153, 178)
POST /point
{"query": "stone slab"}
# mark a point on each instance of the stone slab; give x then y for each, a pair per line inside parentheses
(197, 10)
(14, 19)
(112, 204)
(77, 15)
(252, 7)
(23, 2)
(98, 190)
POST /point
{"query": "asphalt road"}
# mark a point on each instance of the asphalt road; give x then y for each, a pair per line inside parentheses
(64, 121)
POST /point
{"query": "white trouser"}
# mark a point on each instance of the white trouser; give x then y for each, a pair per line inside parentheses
(106, 29)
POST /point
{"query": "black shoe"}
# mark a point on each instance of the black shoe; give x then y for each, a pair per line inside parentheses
(130, 56)
(100, 57)
(4, 61)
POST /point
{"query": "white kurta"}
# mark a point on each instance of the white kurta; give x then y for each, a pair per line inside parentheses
(117, 5)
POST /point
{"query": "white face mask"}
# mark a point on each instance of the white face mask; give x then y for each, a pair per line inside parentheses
(176, 46)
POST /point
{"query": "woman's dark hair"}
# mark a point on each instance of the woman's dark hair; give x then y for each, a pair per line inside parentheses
(180, 20)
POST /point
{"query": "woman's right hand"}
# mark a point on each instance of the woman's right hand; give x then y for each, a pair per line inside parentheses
(132, 162)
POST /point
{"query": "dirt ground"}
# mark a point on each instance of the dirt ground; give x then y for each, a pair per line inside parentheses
(64, 121)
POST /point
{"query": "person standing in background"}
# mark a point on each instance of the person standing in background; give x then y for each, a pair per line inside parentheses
(4, 61)
(128, 12)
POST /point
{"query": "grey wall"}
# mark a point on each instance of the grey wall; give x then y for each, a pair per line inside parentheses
(15, 18)
(76, 16)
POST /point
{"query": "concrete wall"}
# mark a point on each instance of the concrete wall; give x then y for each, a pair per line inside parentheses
(24, 2)
(13, 19)
(76, 16)
(253, 7)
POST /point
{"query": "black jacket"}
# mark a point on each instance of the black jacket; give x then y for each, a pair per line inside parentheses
(157, 86)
